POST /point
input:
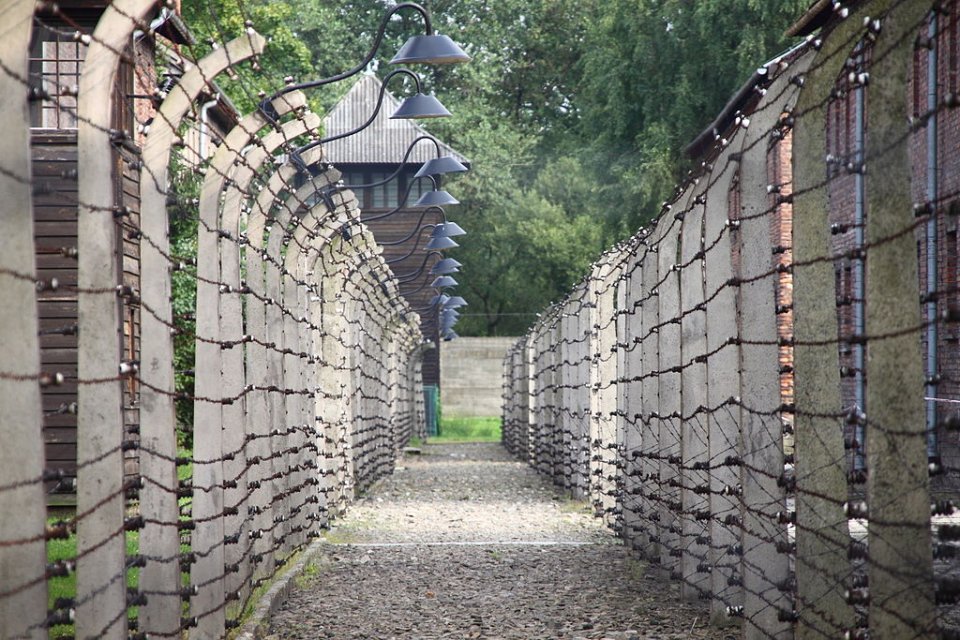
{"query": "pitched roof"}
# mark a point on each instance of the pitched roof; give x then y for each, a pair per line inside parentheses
(385, 140)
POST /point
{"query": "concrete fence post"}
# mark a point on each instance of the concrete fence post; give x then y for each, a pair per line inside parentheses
(635, 504)
(901, 568)
(648, 421)
(668, 379)
(23, 604)
(219, 370)
(723, 390)
(601, 358)
(101, 550)
(765, 563)
(823, 567)
(158, 499)
(694, 437)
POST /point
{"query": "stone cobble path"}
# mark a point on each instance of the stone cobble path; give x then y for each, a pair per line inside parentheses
(465, 542)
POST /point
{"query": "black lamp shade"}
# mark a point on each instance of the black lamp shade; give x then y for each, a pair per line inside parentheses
(439, 166)
(440, 298)
(454, 302)
(447, 230)
(445, 266)
(430, 49)
(435, 199)
(441, 243)
(443, 281)
(420, 106)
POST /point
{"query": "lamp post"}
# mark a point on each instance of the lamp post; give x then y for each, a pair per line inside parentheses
(443, 229)
(429, 48)
(448, 165)
(441, 316)
(438, 283)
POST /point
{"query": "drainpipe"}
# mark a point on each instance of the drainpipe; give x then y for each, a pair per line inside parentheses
(932, 267)
(859, 290)
(204, 126)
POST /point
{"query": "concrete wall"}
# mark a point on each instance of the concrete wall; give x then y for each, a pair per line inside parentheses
(471, 375)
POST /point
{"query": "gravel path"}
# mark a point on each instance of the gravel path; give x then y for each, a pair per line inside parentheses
(464, 542)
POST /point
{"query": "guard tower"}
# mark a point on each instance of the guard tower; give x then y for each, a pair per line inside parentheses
(371, 156)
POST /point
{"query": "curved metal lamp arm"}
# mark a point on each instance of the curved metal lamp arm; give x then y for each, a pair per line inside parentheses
(413, 275)
(373, 116)
(327, 193)
(423, 285)
(431, 317)
(400, 168)
(416, 245)
(264, 105)
(417, 228)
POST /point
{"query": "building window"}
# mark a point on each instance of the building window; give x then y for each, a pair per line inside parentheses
(388, 195)
(382, 196)
(56, 61)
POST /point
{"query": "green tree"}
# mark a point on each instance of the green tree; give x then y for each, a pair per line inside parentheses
(655, 73)
(573, 113)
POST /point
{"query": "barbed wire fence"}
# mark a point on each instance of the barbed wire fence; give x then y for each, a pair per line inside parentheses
(306, 381)
(757, 390)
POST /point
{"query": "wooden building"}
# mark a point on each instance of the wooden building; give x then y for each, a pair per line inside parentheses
(372, 156)
(56, 62)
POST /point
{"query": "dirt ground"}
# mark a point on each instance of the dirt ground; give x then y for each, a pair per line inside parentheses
(464, 542)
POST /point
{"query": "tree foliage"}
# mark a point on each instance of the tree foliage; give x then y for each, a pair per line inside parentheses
(573, 114)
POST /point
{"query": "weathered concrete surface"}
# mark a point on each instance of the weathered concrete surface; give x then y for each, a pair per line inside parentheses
(471, 375)
(464, 542)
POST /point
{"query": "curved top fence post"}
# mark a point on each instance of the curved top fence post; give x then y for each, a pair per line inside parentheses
(100, 540)
(160, 537)
(211, 397)
(23, 603)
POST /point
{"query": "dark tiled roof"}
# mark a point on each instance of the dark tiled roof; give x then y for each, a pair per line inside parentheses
(385, 140)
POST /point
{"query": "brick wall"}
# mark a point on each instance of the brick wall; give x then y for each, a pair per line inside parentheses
(841, 148)
(780, 181)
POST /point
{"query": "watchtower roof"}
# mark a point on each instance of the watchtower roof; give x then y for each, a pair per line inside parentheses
(385, 140)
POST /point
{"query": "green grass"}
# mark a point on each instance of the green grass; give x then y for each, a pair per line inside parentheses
(468, 430)
(66, 587)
